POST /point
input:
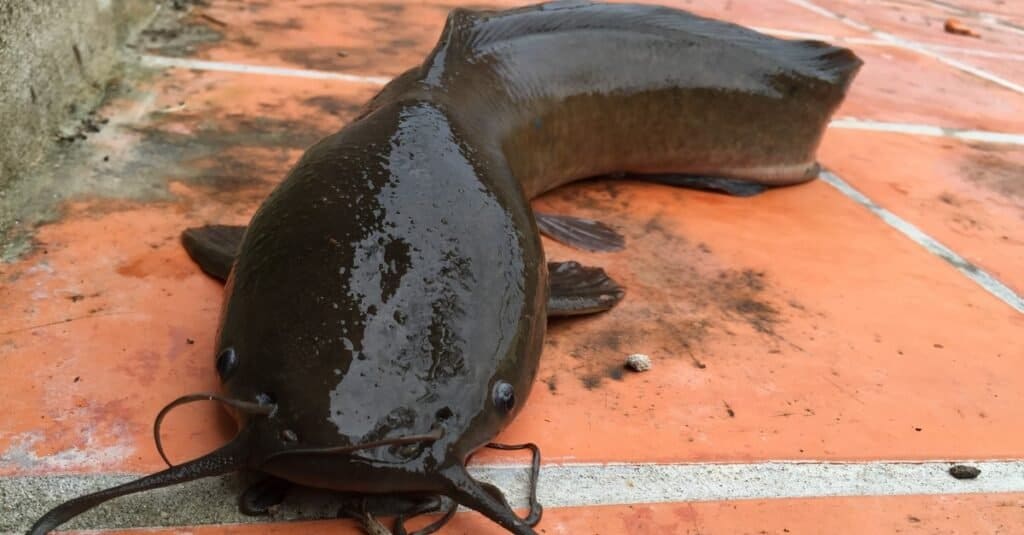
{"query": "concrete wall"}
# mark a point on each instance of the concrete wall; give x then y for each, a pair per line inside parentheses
(56, 59)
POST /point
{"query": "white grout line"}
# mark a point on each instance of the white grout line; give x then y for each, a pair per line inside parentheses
(973, 52)
(790, 34)
(849, 123)
(910, 45)
(814, 8)
(970, 69)
(213, 500)
(852, 123)
(978, 275)
(203, 65)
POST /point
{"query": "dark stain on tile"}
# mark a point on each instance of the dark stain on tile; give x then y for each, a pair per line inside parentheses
(991, 170)
(279, 25)
(335, 106)
(177, 33)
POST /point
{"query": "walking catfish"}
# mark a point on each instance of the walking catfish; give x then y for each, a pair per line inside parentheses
(386, 306)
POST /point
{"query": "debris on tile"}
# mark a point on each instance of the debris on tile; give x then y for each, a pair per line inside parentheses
(956, 27)
(638, 362)
(81, 129)
(212, 19)
(728, 409)
(696, 361)
(963, 471)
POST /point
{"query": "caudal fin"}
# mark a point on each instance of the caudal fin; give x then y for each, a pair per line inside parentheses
(836, 64)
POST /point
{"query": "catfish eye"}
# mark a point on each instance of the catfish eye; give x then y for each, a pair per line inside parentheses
(504, 396)
(227, 361)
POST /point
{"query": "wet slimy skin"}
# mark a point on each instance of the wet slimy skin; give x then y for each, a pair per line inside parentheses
(385, 312)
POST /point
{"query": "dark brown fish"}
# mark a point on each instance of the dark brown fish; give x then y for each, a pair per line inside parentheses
(385, 313)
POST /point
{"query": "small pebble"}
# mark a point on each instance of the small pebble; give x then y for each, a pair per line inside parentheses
(962, 471)
(638, 362)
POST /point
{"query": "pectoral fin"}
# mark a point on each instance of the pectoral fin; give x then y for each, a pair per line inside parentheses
(213, 247)
(585, 234)
(577, 290)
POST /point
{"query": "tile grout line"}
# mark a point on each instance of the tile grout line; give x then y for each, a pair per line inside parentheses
(829, 14)
(791, 34)
(957, 64)
(211, 500)
(909, 45)
(976, 274)
(853, 123)
(164, 62)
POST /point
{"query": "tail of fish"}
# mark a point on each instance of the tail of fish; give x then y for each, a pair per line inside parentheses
(834, 64)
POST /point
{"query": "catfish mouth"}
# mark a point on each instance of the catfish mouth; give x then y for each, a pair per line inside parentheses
(233, 456)
(425, 438)
(265, 408)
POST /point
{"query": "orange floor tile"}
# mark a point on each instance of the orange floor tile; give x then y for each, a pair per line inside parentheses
(923, 21)
(1010, 68)
(897, 85)
(768, 15)
(969, 196)
(371, 38)
(1000, 7)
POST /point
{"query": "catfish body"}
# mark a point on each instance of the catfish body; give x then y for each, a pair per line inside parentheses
(574, 90)
(385, 313)
(390, 290)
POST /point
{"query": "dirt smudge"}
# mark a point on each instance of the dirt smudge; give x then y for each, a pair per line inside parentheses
(740, 292)
(992, 170)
